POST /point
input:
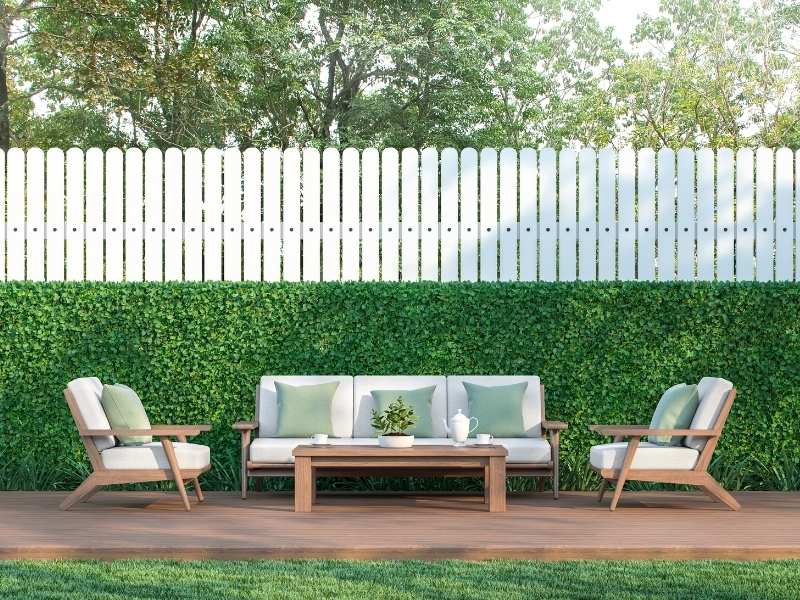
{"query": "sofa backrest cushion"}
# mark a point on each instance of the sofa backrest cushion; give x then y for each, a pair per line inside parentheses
(341, 406)
(531, 401)
(87, 392)
(713, 392)
(364, 402)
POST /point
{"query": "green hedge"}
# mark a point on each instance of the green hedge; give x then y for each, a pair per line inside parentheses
(194, 351)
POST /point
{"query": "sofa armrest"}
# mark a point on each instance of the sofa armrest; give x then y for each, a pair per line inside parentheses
(245, 425)
(554, 425)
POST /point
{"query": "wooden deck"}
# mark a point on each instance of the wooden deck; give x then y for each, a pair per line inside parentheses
(677, 525)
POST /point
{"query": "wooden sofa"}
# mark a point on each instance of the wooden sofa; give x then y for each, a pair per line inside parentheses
(535, 455)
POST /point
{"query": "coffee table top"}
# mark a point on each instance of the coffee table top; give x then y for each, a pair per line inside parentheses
(418, 450)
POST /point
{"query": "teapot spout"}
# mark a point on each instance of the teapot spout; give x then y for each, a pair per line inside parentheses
(446, 428)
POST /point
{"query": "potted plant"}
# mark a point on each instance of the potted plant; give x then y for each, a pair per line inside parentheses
(393, 422)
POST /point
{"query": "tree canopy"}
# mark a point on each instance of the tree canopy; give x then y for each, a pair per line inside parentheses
(479, 73)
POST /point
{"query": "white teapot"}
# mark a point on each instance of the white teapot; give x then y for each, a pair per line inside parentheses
(459, 428)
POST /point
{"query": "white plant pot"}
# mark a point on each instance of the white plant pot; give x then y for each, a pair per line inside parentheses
(395, 441)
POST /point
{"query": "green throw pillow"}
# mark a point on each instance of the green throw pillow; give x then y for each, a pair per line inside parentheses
(498, 409)
(125, 411)
(304, 410)
(419, 400)
(675, 410)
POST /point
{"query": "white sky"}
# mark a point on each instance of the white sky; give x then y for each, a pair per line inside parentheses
(622, 15)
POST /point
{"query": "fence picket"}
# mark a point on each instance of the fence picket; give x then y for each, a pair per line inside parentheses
(311, 215)
(765, 239)
(646, 234)
(784, 230)
(724, 224)
(390, 215)
(291, 214)
(686, 215)
(331, 228)
(351, 175)
(528, 226)
(75, 213)
(370, 215)
(488, 215)
(251, 213)
(232, 214)
(409, 214)
(705, 214)
(94, 214)
(272, 214)
(193, 263)
(587, 215)
(35, 215)
(55, 213)
(607, 219)
(548, 235)
(567, 211)
(469, 214)
(626, 245)
(114, 215)
(3, 195)
(173, 215)
(15, 204)
(429, 212)
(153, 215)
(508, 230)
(449, 201)
(212, 215)
(666, 215)
(745, 258)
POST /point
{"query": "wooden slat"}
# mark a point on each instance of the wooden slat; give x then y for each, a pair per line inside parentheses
(94, 215)
(784, 218)
(548, 233)
(666, 215)
(115, 216)
(765, 193)
(488, 215)
(745, 235)
(607, 219)
(528, 217)
(153, 215)
(686, 215)
(705, 215)
(312, 222)
(449, 215)
(272, 214)
(331, 203)
(3, 210)
(232, 213)
(291, 214)
(409, 215)
(55, 214)
(725, 231)
(212, 215)
(370, 215)
(646, 234)
(173, 215)
(390, 215)
(587, 215)
(35, 266)
(429, 213)
(75, 214)
(567, 215)
(15, 217)
(251, 213)
(508, 230)
(469, 214)
(351, 203)
(193, 234)
(134, 215)
(626, 246)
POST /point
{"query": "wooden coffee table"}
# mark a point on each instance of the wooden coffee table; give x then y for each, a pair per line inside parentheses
(421, 460)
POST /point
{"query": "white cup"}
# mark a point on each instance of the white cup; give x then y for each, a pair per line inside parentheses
(484, 438)
(319, 438)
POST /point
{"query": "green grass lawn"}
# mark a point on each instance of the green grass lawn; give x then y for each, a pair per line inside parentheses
(366, 580)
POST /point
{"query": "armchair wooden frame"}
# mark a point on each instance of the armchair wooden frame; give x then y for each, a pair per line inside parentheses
(697, 476)
(101, 476)
(540, 470)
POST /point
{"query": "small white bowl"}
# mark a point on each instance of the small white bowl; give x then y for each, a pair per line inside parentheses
(395, 441)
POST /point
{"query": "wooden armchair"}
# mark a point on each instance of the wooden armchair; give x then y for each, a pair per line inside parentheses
(160, 461)
(686, 463)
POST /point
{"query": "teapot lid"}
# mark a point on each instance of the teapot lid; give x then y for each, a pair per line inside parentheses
(459, 417)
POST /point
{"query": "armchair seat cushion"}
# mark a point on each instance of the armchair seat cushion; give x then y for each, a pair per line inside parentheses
(152, 456)
(648, 456)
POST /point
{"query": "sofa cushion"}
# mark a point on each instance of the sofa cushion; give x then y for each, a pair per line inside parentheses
(713, 392)
(279, 450)
(648, 456)
(497, 409)
(305, 410)
(524, 449)
(152, 456)
(125, 411)
(531, 401)
(87, 392)
(364, 402)
(341, 405)
(674, 411)
(419, 400)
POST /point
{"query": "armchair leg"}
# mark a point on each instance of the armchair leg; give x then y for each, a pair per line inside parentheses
(717, 493)
(623, 473)
(169, 450)
(197, 490)
(541, 484)
(82, 493)
(602, 491)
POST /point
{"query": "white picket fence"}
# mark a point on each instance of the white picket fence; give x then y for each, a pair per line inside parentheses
(304, 215)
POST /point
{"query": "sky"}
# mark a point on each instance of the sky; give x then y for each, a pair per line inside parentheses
(622, 16)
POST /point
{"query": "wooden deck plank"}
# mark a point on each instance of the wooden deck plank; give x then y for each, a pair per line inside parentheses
(675, 525)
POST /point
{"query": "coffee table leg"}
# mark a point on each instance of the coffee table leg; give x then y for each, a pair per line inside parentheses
(496, 482)
(313, 486)
(487, 484)
(303, 484)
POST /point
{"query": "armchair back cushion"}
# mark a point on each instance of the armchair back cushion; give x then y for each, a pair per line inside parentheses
(675, 410)
(713, 392)
(341, 405)
(531, 400)
(364, 402)
(125, 411)
(87, 392)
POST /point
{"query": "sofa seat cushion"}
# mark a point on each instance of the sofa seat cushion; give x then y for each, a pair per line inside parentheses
(279, 450)
(524, 450)
(648, 456)
(152, 456)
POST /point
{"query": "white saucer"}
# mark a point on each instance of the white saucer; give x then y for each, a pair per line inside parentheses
(482, 445)
(320, 445)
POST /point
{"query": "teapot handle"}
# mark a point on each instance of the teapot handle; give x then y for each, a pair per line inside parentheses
(476, 424)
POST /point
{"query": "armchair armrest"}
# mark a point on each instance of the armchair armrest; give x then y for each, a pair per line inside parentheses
(642, 430)
(245, 425)
(554, 425)
(159, 430)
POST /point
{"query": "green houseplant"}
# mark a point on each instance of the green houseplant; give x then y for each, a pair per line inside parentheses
(392, 424)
